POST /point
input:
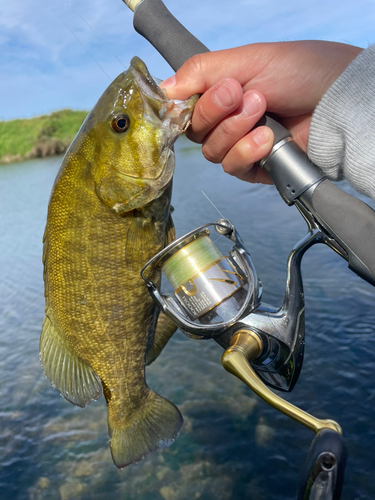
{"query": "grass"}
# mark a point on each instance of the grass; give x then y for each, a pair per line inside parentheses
(20, 139)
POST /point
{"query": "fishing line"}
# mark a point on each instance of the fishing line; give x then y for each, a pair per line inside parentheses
(217, 210)
(215, 207)
(189, 261)
(79, 41)
(96, 34)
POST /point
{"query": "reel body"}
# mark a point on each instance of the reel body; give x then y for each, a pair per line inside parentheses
(215, 296)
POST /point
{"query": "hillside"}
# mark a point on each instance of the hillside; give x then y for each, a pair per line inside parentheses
(38, 137)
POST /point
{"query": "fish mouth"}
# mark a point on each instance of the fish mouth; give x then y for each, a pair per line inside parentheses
(155, 97)
(141, 70)
(175, 114)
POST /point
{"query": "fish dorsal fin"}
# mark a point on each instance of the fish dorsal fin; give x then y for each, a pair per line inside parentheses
(75, 380)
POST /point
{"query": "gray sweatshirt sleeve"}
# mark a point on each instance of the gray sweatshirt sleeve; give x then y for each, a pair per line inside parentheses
(342, 131)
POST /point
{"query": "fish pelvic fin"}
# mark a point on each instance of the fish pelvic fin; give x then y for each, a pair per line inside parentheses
(165, 328)
(153, 428)
(75, 380)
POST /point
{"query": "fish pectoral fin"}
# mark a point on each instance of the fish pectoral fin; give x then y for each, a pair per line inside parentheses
(139, 237)
(154, 426)
(170, 231)
(75, 380)
(165, 328)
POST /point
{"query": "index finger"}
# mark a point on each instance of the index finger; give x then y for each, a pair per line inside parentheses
(215, 104)
(202, 71)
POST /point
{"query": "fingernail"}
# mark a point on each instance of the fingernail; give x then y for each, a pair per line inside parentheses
(169, 82)
(261, 136)
(224, 95)
(251, 104)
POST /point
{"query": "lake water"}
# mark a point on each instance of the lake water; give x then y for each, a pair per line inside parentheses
(233, 445)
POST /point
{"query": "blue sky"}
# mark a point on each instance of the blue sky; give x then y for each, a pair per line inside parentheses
(56, 54)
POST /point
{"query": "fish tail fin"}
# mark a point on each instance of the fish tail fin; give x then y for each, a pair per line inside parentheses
(153, 428)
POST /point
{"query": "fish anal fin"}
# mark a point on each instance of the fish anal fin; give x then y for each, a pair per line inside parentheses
(154, 427)
(75, 380)
(164, 330)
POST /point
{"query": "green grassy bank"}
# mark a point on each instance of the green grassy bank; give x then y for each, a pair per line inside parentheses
(42, 136)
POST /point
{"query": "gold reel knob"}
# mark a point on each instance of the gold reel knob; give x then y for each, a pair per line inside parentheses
(245, 346)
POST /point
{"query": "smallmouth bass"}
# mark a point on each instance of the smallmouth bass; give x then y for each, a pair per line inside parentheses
(108, 214)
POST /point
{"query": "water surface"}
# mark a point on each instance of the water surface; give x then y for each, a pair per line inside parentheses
(233, 445)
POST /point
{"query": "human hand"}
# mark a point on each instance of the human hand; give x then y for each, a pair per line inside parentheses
(240, 84)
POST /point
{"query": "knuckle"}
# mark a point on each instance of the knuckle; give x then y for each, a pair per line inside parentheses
(193, 68)
(239, 159)
(195, 64)
(202, 116)
(228, 168)
(244, 151)
(227, 129)
(210, 154)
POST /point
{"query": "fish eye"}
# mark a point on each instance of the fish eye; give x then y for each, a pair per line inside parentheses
(120, 123)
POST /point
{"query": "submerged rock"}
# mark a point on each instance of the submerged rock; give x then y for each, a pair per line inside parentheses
(168, 493)
(263, 433)
(70, 491)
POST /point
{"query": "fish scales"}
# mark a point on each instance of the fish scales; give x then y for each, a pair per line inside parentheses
(108, 215)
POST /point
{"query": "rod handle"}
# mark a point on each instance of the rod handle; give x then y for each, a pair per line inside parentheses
(350, 222)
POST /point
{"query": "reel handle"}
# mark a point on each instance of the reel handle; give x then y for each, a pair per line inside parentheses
(246, 346)
(323, 474)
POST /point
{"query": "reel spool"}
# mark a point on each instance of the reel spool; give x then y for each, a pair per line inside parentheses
(211, 291)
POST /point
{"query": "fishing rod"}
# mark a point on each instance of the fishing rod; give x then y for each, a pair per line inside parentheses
(220, 296)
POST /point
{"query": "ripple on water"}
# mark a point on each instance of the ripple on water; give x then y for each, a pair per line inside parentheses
(232, 444)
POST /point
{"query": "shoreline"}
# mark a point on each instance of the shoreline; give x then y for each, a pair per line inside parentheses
(40, 150)
(40, 137)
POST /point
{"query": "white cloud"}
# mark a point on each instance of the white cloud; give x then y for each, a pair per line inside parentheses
(53, 44)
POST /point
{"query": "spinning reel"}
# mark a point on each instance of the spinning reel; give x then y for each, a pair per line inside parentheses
(219, 296)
